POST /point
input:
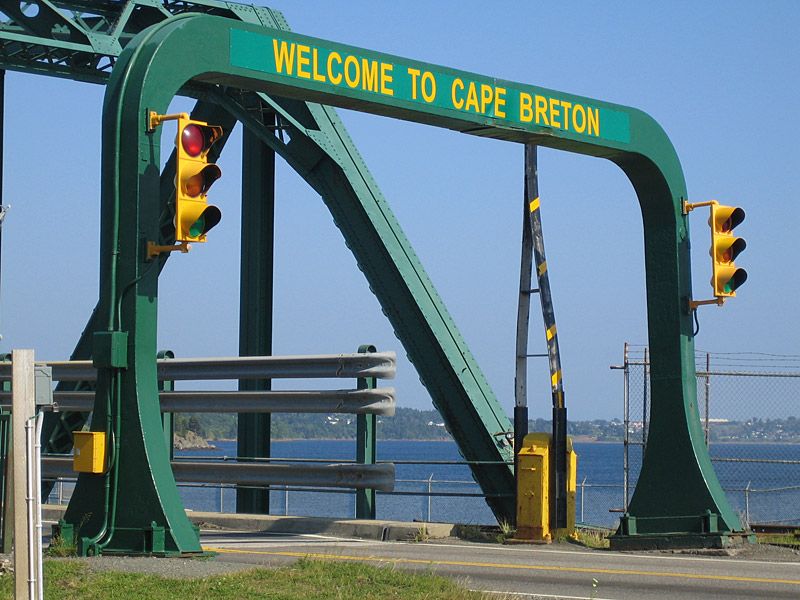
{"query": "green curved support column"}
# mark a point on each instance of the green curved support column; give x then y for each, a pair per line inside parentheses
(677, 493)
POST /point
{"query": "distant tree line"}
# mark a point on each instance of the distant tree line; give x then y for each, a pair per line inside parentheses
(413, 424)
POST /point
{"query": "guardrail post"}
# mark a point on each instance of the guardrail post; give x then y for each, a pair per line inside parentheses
(366, 429)
(168, 418)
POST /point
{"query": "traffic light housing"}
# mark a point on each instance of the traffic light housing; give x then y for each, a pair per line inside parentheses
(726, 277)
(194, 176)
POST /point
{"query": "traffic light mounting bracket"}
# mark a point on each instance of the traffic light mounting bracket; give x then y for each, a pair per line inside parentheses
(154, 250)
(154, 119)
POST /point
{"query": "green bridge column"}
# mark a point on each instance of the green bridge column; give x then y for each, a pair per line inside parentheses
(255, 301)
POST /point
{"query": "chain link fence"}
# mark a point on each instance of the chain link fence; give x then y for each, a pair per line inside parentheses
(749, 410)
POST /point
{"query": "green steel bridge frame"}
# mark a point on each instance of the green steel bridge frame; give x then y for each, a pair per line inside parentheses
(139, 49)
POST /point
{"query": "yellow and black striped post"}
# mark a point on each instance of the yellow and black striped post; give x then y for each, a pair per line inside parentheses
(533, 244)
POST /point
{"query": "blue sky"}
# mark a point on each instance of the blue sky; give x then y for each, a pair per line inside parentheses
(719, 77)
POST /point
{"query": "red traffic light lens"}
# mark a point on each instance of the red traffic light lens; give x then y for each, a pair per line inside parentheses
(193, 140)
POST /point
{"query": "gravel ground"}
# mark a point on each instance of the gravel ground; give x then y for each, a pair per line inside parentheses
(172, 568)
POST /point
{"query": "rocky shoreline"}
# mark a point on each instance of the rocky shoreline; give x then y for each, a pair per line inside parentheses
(191, 441)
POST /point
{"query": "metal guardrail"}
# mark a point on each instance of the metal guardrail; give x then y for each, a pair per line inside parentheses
(381, 365)
(379, 401)
(335, 475)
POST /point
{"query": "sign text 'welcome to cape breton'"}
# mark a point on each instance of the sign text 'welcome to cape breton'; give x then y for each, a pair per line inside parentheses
(342, 68)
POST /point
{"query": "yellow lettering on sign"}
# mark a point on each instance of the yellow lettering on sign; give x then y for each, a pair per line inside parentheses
(369, 75)
(335, 78)
(594, 120)
(428, 86)
(315, 66)
(487, 95)
(352, 76)
(525, 107)
(414, 77)
(499, 102)
(472, 97)
(541, 110)
(284, 56)
(458, 102)
(303, 60)
(579, 118)
(386, 79)
(554, 112)
(566, 106)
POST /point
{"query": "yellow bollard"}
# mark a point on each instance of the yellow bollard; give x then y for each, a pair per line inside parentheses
(533, 492)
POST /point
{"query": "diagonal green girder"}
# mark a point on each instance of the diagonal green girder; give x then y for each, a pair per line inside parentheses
(409, 299)
(476, 418)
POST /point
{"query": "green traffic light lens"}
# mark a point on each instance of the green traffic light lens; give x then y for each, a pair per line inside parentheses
(735, 282)
(198, 228)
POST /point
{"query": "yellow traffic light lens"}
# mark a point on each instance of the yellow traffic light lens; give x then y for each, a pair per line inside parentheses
(201, 182)
(193, 140)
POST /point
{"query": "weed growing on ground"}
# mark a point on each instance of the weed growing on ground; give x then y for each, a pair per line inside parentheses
(592, 538)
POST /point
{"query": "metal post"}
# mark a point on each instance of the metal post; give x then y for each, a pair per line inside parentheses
(2, 207)
(221, 499)
(558, 454)
(6, 529)
(708, 391)
(286, 501)
(583, 493)
(167, 418)
(23, 387)
(626, 438)
(644, 400)
(747, 505)
(430, 485)
(366, 445)
(255, 301)
(523, 321)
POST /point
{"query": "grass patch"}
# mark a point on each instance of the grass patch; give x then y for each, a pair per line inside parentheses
(61, 547)
(592, 538)
(790, 540)
(315, 580)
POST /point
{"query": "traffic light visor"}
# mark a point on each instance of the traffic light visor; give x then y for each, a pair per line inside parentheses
(726, 249)
(201, 182)
(726, 218)
(210, 217)
(727, 280)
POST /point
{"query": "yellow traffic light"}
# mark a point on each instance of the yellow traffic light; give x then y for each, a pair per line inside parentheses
(194, 175)
(725, 247)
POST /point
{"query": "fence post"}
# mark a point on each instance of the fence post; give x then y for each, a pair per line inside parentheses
(747, 505)
(430, 485)
(626, 437)
(366, 426)
(583, 492)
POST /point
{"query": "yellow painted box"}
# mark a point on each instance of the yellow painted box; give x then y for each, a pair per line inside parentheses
(533, 488)
(90, 451)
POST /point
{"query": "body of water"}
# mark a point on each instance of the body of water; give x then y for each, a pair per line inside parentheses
(756, 488)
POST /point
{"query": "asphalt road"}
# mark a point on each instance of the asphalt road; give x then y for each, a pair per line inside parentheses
(559, 571)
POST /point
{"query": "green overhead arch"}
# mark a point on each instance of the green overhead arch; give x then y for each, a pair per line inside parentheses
(677, 492)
